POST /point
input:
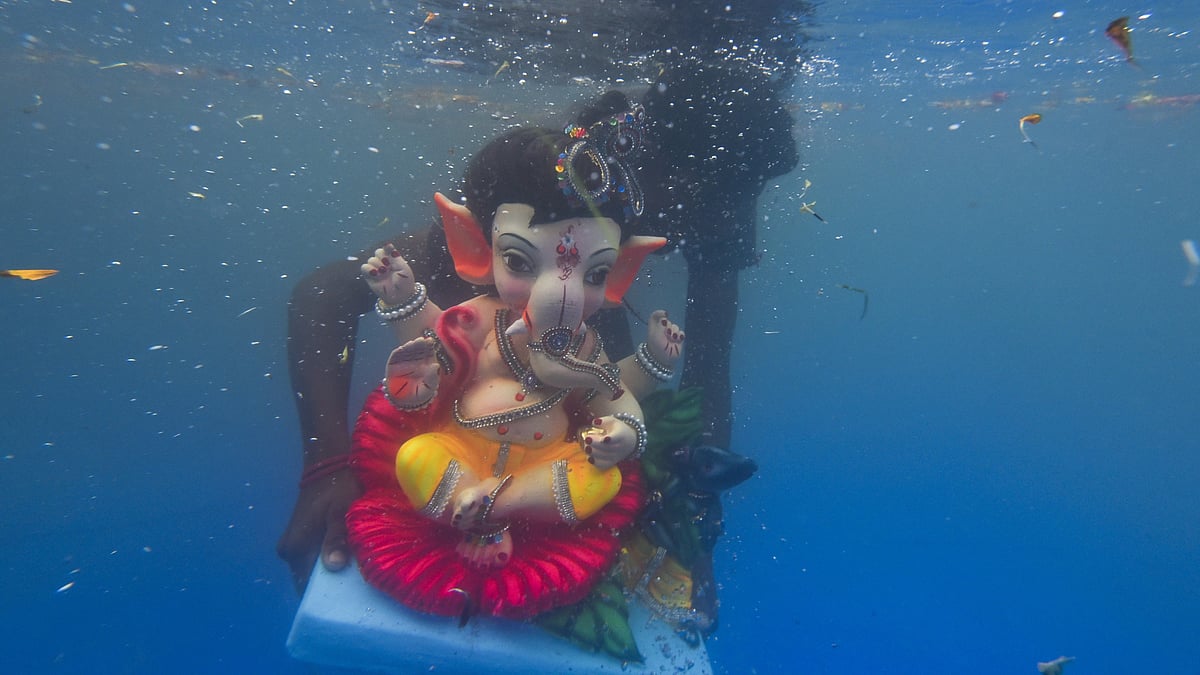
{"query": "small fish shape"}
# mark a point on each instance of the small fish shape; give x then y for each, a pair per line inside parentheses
(1032, 118)
(65, 587)
(28, 275)
(429, 17)
(1121, 34)
(1054, 667)
(445, 63)
(344, 357)
(197, 195)
(256, 117)
(284, 71)
(503, 67)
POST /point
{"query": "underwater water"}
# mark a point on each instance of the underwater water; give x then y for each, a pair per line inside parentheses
(984, 457)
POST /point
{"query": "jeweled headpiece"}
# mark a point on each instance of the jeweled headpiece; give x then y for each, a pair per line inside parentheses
(594, 167)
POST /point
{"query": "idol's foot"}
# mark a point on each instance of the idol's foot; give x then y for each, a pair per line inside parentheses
(487, 551)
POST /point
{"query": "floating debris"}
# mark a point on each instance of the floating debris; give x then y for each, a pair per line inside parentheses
(197, 195)
(28, 275)
(866, 298)
(65, 587)
(807, 207)
(468, 606)
(1120, 33)
(1033, 118)
(1193, 258)
(247, 311)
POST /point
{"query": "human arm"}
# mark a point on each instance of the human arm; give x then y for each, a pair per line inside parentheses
(323, 316)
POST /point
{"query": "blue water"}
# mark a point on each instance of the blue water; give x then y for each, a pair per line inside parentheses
(994, 466)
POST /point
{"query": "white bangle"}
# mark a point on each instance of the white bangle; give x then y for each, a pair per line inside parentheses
(650, 365)
(410, 308)
(639, 428)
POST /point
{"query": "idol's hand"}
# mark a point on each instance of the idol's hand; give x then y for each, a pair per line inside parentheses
(389, 276)
(412, 374)
(664, 339)
(608, 441)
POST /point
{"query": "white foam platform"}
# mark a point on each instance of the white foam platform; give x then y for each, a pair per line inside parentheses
(345, 623)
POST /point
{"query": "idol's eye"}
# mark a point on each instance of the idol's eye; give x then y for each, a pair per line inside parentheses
(517, 262)
(597, 276)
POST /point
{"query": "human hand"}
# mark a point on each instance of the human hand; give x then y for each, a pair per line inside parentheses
(664, 339)
(389, 276)
(318, 527)
(412, 374)
(608, 441)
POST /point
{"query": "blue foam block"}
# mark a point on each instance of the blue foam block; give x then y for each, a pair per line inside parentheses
(345, 622)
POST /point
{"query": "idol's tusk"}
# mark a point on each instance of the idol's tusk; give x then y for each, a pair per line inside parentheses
(518, 327)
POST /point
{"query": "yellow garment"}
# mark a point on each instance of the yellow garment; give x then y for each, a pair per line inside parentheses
(423, 460)
(657, 576)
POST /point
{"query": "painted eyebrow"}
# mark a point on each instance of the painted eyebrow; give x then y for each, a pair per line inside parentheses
(519, 238)
(602, 251)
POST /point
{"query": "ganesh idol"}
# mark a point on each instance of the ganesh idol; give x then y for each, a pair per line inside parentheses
(499, 456)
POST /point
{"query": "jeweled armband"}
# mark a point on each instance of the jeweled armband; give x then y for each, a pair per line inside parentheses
(445, 489)
(562, 492)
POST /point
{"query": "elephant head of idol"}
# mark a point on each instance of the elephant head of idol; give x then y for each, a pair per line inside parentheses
(553, 276)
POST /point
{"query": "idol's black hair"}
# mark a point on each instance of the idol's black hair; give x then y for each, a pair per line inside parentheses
(519, 167)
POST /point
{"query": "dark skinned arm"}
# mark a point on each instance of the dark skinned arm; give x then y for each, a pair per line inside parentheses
(323, 316)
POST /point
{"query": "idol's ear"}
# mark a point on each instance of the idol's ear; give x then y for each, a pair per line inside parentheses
(629, 261)
(471, 251)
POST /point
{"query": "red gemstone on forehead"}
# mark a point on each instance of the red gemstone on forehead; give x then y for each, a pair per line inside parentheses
(537, 435)
(520, 396)
(502, 430)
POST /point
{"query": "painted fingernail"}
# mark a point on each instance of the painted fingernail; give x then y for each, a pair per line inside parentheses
(664, 322)
(596, 421)
(607, 439)
(591, 460)
(374, 272)
(587, 440)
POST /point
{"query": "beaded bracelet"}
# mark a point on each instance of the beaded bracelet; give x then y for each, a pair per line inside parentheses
(326, 467)
(639, 428)
(651, 365)
(414, 304)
